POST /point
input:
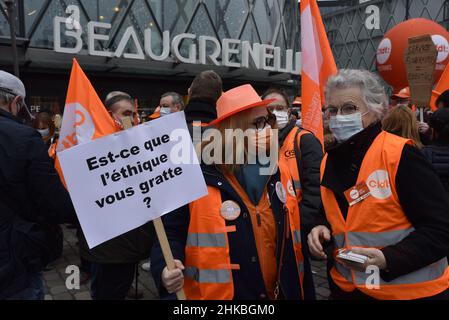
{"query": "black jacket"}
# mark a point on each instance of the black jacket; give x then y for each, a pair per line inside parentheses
(130, 247)
(420, 193)
(200, 110)
(438, 155)
(308, 161)
(248, 281)
(31, 194)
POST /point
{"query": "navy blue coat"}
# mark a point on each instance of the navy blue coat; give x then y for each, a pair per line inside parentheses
(248, 281)
(31, 193)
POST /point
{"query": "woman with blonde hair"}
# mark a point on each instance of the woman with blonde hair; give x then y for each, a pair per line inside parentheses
(402, 122)
(243, 240)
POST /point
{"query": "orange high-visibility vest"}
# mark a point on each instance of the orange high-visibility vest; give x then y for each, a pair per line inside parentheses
(377, 222)
(208, 266)
(287, 156)
(208, 274)
(292, 208)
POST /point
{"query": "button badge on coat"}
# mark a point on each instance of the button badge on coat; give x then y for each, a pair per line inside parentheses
(281, 193)
(230, 210)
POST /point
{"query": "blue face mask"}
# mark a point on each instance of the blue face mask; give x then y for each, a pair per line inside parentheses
(345, 126)
(165, 111)
(45, 133)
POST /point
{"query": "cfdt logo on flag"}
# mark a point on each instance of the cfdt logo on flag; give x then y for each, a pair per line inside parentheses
(81, 123)
(85, 118)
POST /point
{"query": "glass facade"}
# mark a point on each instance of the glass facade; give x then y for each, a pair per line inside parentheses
(4, 26)
(263, 21)
(355, 46)
(274, 22)
(271, 22)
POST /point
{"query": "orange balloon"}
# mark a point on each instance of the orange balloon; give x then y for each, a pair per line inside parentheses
(391, 51)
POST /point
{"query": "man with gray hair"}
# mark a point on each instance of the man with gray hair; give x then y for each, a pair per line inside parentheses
(121, 105)
(171, 102)
(32, 198)
(383, 206)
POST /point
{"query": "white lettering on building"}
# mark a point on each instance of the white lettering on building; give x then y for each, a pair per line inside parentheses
(185, 47)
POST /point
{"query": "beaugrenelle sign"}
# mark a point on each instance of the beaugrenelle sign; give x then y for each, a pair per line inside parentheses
(256, 55)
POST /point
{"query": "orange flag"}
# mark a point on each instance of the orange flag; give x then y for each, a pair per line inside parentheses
(85, 117)
(442, 85)
(318, 65)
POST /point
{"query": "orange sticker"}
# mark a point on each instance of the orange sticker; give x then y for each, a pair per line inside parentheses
(357, 193)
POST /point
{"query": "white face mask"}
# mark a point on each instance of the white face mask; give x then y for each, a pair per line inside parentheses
(44, 133)
(282, 118)
(165, 111)
(345, 126)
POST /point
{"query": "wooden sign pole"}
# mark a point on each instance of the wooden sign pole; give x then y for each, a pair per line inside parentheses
(166, 251)
(160, 232)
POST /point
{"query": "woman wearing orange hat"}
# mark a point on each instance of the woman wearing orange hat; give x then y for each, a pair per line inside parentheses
(242, 241)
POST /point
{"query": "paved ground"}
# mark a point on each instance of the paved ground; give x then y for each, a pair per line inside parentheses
(55, 279)
(320, 279)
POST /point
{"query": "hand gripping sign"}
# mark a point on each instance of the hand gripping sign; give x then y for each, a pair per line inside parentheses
(122, 181)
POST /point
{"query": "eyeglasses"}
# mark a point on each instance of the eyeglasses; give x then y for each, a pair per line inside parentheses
(262, 122)
(347, 109)
(278, 107)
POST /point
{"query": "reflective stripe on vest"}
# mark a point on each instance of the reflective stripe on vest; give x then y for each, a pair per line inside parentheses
(208, 275)
(339, 240)
(429, 273)
(290, 160)
(297, 237)
(383, 239)
(203, 240)
(378, 239)
(346, 273)
(297, 184)
(371, 239)
(301, 268)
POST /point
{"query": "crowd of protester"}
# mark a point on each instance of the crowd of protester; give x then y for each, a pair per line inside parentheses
(261, 246)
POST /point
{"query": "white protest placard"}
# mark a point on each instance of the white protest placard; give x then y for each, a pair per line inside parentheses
(122, 181)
